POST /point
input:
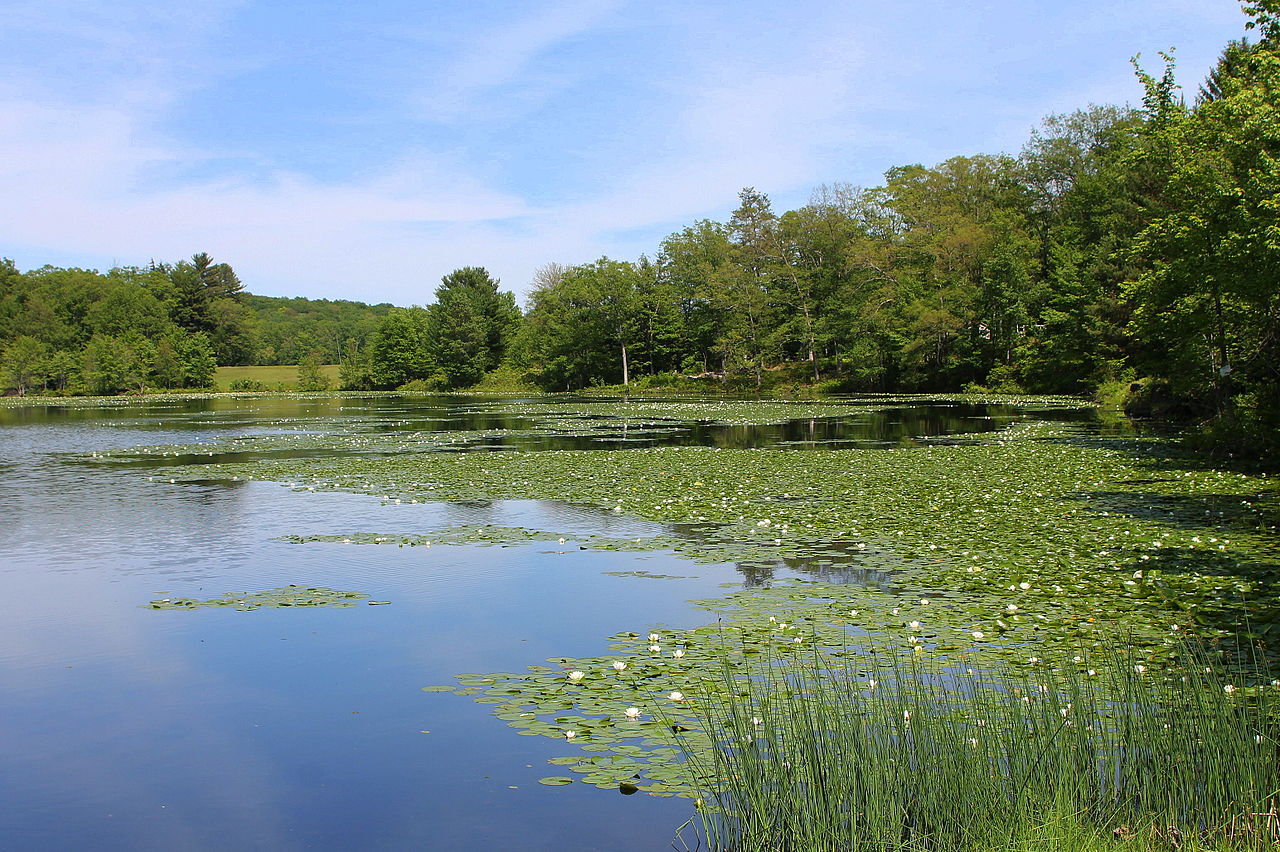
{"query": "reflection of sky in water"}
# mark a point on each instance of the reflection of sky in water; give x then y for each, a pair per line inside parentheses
(127, 728)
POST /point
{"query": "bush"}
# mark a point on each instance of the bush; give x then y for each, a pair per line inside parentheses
(435, 384)
(247, 385)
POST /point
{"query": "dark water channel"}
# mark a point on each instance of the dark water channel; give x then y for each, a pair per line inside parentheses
(214, 729)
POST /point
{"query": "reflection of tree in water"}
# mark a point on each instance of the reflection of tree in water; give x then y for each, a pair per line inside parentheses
(838, 565)
(762, 573)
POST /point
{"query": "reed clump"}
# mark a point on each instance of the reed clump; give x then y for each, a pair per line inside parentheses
(905, 753)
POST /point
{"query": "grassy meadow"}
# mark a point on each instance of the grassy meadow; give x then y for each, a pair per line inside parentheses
(275, 378)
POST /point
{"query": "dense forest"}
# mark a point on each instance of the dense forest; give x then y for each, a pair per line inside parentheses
(1131, 248)
(164, 326)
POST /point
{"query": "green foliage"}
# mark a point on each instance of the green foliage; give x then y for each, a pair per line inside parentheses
(470, 326)
(862, 749)
(285, 596)
(1206, 298)
(581, 328)
(310, 378)
(400, 352)
(165, 327)
(23, 363)
(286, 329)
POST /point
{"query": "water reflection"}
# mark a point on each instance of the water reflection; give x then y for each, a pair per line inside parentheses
(127, 728)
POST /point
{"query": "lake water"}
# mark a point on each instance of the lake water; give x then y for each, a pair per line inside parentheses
(124, 727)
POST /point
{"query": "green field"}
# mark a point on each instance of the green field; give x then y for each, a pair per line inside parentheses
(284, 377)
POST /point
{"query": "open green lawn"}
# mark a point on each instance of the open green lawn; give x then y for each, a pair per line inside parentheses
(283, 377)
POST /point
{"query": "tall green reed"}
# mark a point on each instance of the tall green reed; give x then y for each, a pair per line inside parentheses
(903, 752)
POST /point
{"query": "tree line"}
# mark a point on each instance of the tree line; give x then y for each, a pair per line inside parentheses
(165, 326)
(1129, 247)
(1121, 247)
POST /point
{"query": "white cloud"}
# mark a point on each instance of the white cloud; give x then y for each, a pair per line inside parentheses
(780, 98)
(505, 55)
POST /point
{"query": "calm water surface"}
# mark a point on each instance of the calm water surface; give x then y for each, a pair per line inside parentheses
(129, 728)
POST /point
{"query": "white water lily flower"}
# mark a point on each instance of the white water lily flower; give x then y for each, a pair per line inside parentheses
(924, 601)
(894, 611)
(906, 715)
(757, 721)
(915, 625)
(619, 665)
(632, 712)
(1011, 608)
(568, 735)
(655, 648)
(914, 640)
(678, 653)
(1140, 669)
(977, 634)
(654, 637)
(872, 683)
(1228, 689)
(1092, 673)
(1024, 585)
(676, 696)
(577, 676)
(853, 612)
(973, 741)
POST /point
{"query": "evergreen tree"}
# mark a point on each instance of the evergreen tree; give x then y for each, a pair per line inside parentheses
(470, 326)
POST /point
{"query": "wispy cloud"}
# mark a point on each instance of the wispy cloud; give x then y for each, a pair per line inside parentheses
(564, 131)
(506, 56)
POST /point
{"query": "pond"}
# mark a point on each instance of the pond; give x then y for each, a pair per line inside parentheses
(305, 727)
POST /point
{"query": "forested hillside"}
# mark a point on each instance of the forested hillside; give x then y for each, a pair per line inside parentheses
(164, 326)
(287, 330)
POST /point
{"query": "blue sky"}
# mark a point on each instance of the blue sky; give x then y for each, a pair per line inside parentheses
(348, 150)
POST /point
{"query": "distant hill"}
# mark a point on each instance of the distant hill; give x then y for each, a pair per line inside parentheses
(287, 329)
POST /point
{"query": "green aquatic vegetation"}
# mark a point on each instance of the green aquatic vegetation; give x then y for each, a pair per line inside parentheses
(1075, 533)
(908, 754)
(662, 712)
(285, 596)
(490, 534)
